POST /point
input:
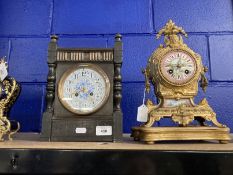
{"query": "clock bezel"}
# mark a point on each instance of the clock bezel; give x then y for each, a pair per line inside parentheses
(1, 91)
(71, 70)
(168, 81)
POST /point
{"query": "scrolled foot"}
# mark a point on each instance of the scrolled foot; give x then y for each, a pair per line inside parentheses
(136, 139)
(150, 142)
(215, 121)
(223, 141)
(10, 138)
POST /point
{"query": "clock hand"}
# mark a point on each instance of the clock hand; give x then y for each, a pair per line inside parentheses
(179, 64)
(170, 64)
(179, 61)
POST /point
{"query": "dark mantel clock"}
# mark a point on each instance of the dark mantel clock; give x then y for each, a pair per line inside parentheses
(83, 93)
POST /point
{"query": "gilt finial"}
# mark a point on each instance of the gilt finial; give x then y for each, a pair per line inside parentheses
(171, 34)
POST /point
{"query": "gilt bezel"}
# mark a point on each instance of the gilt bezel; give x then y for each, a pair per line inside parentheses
(68, 72)
(173, 83)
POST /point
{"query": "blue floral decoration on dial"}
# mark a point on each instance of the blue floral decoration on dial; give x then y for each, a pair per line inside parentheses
(84, 89)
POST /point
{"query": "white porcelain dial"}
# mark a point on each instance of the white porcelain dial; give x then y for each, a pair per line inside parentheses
(178, 67)
(84, 89)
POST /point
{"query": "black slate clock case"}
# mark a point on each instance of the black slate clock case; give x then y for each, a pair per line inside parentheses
(58, 123)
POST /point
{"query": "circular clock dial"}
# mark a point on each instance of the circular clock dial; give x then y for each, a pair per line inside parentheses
(84, 89)
(178, 67)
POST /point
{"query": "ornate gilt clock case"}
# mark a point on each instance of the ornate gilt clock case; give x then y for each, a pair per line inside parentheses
(175, 71)
(83, 93)
(9, 92)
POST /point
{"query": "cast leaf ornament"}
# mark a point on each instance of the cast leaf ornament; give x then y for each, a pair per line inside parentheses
(171, 32)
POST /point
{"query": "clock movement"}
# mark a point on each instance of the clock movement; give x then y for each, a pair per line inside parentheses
(175, 71)
(83, 93)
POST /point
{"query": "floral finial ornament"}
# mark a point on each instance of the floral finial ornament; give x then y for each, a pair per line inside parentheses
(171, 34)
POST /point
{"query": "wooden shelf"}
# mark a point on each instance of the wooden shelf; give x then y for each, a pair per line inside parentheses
(27, 154)
(32, 141)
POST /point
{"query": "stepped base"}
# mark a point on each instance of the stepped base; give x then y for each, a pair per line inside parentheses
(152, 134)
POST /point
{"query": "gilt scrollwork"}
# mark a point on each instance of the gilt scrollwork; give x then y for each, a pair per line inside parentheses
(10, 90)
(176, 100)
(182, 115)
(171, 32)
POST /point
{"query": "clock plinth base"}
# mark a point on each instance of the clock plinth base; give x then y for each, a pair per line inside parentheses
(152, 134)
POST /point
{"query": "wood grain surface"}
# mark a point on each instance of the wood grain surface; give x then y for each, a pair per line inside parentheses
(31, 141)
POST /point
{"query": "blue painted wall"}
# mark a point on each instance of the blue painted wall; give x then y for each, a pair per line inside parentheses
(25, 27)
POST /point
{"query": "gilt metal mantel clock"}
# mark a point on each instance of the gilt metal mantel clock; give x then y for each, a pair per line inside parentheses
(83, 93)
(175, 71)
(9, 92)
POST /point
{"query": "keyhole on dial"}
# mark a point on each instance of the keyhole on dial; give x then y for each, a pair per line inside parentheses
(91, 94)
(76, 94)
(186, 71)
(170, 71)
